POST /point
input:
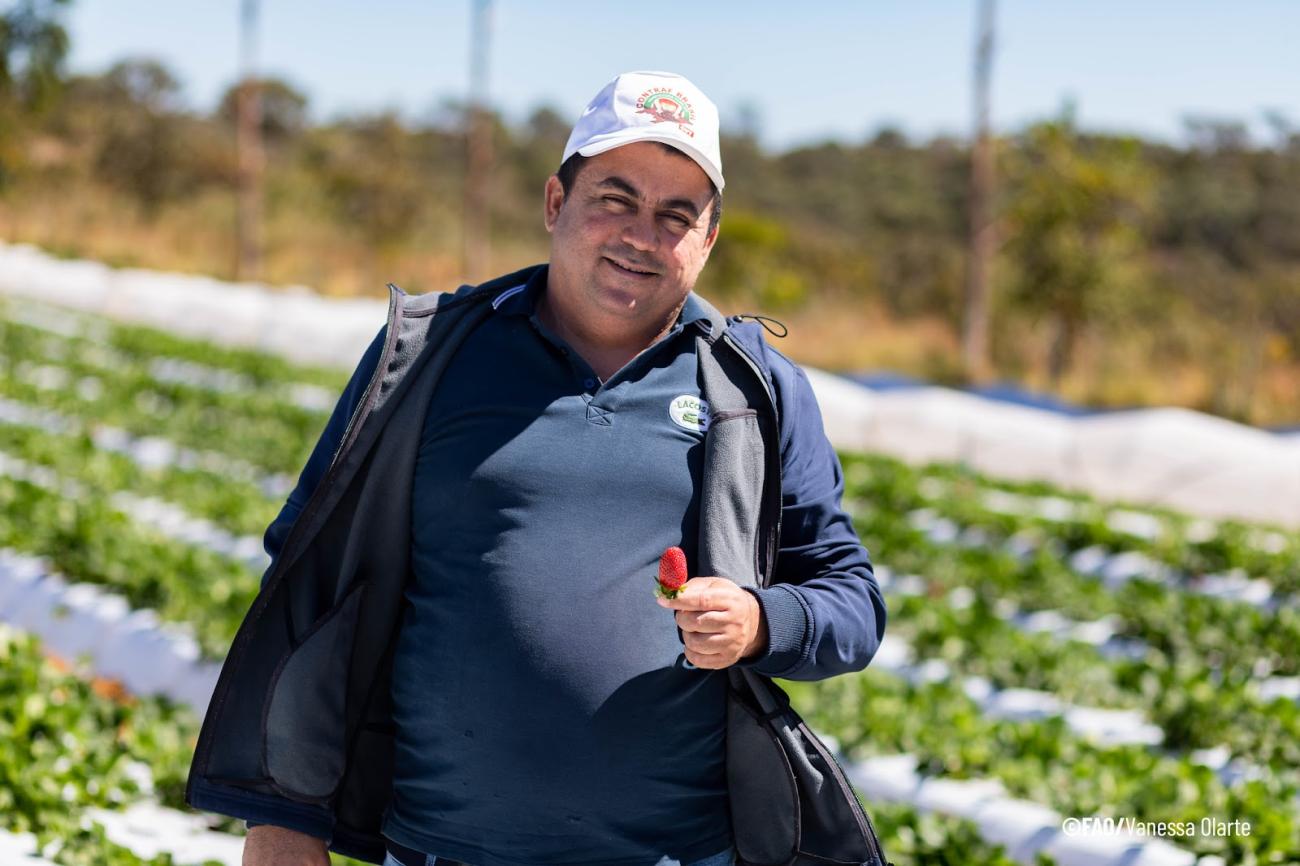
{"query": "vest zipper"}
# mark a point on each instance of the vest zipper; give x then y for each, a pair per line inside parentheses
(367, 395)
(349, 434)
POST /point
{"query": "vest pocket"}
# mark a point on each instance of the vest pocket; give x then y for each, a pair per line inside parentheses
(303, 724)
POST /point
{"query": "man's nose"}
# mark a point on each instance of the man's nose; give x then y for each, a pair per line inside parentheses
(641, 232)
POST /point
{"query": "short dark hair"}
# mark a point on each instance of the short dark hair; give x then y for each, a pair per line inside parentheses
(568, 173)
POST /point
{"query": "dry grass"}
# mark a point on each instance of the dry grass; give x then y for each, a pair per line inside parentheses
(845, 336)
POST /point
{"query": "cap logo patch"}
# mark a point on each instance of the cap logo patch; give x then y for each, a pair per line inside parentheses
(667, 106)
(689, 413)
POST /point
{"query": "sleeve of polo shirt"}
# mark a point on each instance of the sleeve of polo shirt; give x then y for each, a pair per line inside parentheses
(824, 610)
(318, 463)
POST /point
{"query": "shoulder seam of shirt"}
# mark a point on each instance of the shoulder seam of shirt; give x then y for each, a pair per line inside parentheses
(508, 293)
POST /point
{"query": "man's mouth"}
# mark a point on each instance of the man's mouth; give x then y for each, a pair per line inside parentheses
(633, 270)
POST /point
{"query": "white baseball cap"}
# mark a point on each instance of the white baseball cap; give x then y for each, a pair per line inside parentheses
(650, 106)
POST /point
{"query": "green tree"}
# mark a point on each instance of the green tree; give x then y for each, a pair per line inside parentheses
(1074, 228)
(752, 262)
(146, 146)
(33, 45)
(364, 166)
(284, 109)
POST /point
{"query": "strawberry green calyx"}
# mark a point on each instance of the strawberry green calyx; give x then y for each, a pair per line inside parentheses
(665, 593)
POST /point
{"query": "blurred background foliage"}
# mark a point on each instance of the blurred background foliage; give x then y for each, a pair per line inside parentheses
(1128, 271)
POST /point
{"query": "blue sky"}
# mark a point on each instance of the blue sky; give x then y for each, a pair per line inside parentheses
(824, 69)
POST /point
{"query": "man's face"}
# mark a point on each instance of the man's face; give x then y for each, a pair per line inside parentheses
(631, 238)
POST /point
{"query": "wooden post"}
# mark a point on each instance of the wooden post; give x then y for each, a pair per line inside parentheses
(248, 145)
(476, 253)
(982, 234)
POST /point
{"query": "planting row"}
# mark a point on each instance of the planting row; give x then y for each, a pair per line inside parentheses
(229, 492)
(148, 344)
(1012, 674)
(92, 541)
(1191, 679)
(1188, 546)
(1240, 638)
(876, 714)
(270, 435)
(69, 743)
(64, 358)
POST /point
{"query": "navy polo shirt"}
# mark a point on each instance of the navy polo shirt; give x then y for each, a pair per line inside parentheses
(544, 710)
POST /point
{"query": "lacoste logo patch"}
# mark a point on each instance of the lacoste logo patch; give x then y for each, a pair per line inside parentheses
(689, 413)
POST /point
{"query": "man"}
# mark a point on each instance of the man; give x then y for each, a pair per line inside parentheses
(537, 710)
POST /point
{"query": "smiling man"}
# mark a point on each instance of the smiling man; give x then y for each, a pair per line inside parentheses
(535, 707)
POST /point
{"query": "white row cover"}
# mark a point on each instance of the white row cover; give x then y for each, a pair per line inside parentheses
(16, 849)
(1139, 524)
(85, 328)
(82, 620)
(1113, 568)
(1172, 457)
(294, 322)
(145, 828)
(149, 829)
(1102, 725)
(149, 452)
(163, 517)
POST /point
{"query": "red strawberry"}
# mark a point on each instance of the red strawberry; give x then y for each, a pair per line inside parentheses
(672, 573)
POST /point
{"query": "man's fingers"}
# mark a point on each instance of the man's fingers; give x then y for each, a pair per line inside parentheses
(706, 642)
(705, 660)
(700, 599)
(708, 621)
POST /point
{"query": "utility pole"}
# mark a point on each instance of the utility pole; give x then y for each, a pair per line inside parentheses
(477, 250)
(982, 233)
(248, 146)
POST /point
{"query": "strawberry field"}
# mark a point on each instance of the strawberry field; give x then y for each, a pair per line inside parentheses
(1047, 656)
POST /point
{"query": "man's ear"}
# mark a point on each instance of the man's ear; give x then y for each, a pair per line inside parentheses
(553, 201)
(711, 238)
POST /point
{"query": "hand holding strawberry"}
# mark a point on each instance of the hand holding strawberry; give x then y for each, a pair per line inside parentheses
(721, 623)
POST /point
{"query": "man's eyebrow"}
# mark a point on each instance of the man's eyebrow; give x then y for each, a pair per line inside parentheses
(621, 185)
(684, 204)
